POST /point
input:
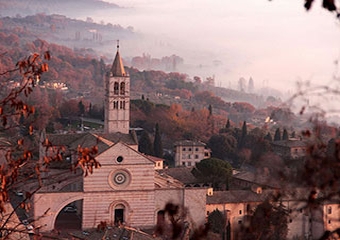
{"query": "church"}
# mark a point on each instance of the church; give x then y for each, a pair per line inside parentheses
(126, 189)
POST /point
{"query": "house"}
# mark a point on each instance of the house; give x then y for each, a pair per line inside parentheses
(236, 205)
(159, 162)
(126, 189)
(290, 149)
(188, 153)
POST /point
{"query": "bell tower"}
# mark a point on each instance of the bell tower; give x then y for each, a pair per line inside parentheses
(117, 98)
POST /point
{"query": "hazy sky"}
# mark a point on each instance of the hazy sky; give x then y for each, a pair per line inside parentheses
(275, 42)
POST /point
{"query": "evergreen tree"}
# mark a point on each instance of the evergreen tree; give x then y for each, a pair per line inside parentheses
(244, 129)
(285, 135)
(227, 126)
(251, 85)
(210, 109)
(277, 136)
(269, 221)
(223, 146)
(81, 108)
(217, 221)
(157, 144)
(243, 135)
(145, 144)
(268, 137)
(215, 171)
(90, 109)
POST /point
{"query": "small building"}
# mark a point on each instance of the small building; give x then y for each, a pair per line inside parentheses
(290, 149)
(159, 162)
(237, 206)
(188, 153)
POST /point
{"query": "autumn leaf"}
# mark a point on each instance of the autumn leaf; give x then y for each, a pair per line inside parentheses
(30, 130)
(308, 4)
(329, 5)
(44, 67)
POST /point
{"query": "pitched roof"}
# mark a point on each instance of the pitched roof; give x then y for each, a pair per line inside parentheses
(238, 196)
(290, 143)
(189, 143)
(183, 174)
(165, 181)
(153, 158)
(101, 140)
(117, 69)
(259, 179)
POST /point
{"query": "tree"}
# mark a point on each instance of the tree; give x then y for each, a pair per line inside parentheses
(210, 109)
(217, 221)
(157, 144)
(19, 151)
(69, 108)
(268, 222)
(81, 108)
(256, 142)
(251, 85)
(241, 84)
(329, 5)
(277, 136)
(145, 144)
(223, 146)
(214, 171)
(293, 134)
(285, 134)
(243, 136)
(227, 126)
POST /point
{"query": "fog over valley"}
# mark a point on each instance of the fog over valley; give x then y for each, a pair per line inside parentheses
(276, 43)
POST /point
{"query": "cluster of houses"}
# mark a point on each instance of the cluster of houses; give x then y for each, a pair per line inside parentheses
(132, 188)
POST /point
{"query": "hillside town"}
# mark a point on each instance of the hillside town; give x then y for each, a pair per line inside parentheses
(131, 190)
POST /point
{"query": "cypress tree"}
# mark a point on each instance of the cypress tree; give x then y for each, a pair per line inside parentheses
(244, 129)
(145, 144)
(90, 110)
(243, 135)
(81, 108)
(285, 135)
(227, 126)
(157, 144)
(277, 136)
(210, 109)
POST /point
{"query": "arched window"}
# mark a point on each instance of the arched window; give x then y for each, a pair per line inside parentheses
(329, 210)
(115, 105)
(122, 104)
(122, 88)
(116, 88)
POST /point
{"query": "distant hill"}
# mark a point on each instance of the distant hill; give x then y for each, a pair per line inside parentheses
(69, 32)
(31, 7)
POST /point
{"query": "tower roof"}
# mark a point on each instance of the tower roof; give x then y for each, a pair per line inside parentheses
(117, 69)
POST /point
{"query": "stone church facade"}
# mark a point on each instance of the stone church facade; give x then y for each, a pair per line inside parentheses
(126, 189)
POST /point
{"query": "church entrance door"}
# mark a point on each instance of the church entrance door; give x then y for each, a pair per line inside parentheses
(119, 214)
